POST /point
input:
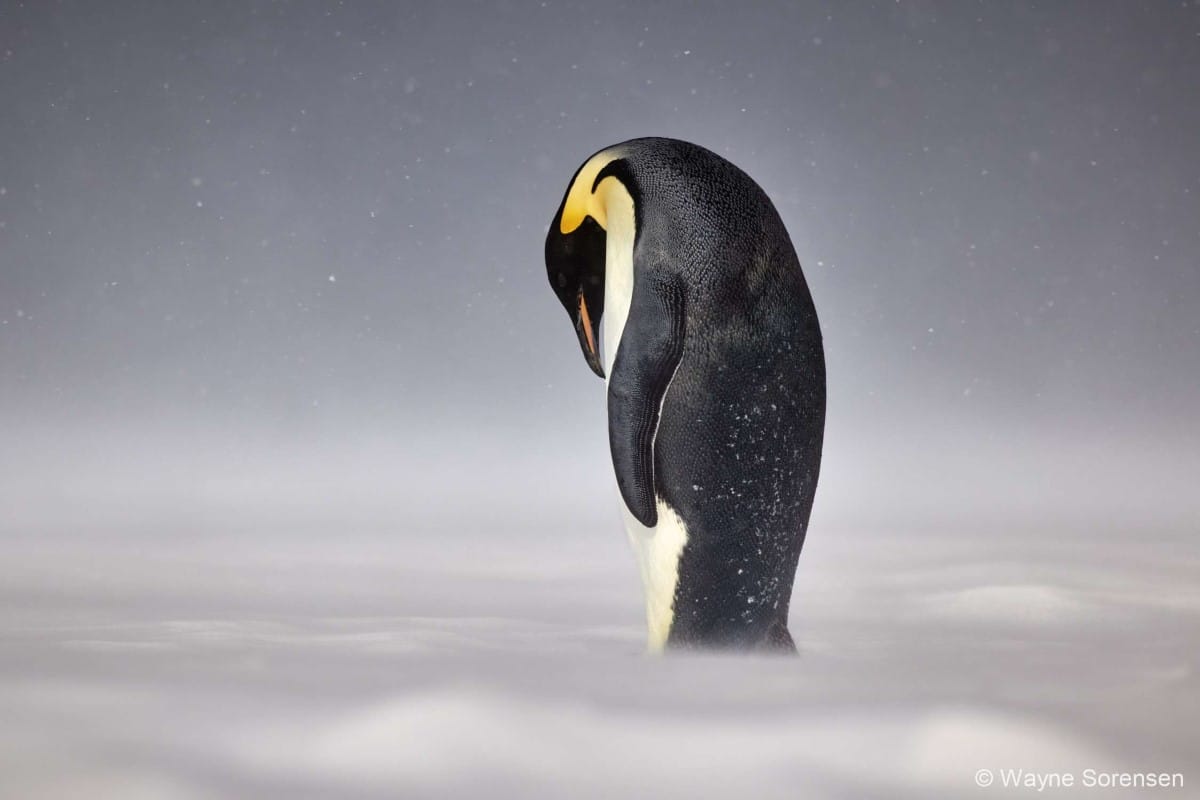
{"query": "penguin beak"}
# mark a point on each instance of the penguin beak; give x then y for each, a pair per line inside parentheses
(588, 332)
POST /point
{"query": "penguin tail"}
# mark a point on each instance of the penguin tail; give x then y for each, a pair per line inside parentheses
(779, 640)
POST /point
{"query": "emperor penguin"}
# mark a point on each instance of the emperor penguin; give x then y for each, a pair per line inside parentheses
(715, 370)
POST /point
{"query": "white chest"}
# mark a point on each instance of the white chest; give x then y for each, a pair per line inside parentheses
(618, 275)
(657, 549)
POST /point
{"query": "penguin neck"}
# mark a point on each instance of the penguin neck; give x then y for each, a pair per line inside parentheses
(618, 270)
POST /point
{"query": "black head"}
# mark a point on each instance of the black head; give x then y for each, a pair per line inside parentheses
(577, 242)
(575, 266)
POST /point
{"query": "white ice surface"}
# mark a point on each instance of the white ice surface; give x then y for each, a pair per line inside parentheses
(363, 664)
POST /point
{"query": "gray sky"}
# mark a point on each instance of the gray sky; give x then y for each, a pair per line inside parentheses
(290, 254)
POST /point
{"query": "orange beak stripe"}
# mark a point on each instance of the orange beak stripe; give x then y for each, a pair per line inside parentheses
(587, 324)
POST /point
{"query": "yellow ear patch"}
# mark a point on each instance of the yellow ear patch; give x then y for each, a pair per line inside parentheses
(581, 201)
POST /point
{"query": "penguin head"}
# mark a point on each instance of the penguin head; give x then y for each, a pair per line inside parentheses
(575, 266)
(576, 247)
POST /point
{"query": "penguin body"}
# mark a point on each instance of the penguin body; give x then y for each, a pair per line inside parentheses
(715, 371)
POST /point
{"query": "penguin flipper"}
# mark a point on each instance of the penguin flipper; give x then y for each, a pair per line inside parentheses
(650, 348)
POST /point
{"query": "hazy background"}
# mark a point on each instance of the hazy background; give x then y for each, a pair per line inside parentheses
(276, 345)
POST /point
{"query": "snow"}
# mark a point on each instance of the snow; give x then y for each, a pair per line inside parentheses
(376, 663)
